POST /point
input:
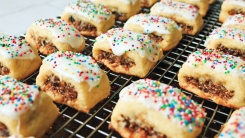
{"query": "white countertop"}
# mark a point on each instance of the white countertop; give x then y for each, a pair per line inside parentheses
(17, 15)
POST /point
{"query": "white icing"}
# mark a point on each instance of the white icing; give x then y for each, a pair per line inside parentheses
(122, 40)
(16, 97)
(62, 31)
(235, 125)
(237, 19)
(188, 11)
(235, 2)
(94, 12)
(226, 33)
(154, 23)
(218, 61)
(129, 1)
(15, 47)
(76, 66)
(167, 100)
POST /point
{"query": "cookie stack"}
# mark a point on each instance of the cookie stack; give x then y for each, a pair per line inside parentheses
(218, 72)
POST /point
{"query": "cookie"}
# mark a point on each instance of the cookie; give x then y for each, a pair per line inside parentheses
(235, 126)
(235, 21)
(147, 3)
(185, 15)
(122, 9)
(228, 40)
(127, 52)
(202, 5)
(73, 79)
(162, 30)
(88, 18)
(24, 110)
(52, 35)
(214, 75)
(17, 58)
(148, 108)
(231, 7)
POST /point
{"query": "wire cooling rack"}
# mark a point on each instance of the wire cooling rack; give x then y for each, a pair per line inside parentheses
(72, 123)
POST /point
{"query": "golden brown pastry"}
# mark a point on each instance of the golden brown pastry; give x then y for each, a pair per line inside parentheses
(127, 52)
(51, 35)
(90, 19)
(147, 3)
(150, 109)
(17, 58)
(214, 75)
(185, 15)
(24, 110)
(73, 79)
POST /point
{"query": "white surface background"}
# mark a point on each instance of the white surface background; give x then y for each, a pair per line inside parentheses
(17, 15)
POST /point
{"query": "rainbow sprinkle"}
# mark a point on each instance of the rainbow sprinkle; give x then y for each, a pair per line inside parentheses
(15, 47)
(122, 41)
(235, 127)
(76, 66)
(169, 101)
(217, 60)
(16, 97)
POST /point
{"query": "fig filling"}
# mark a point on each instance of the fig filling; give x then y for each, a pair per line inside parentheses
(233, 12)
(4, 70)
(83, 26)
(185, 27)
(232, 51)
(58, 87)
(145, 130)
(44, 45)
(155, 38)
(208, 86)
(119, 15)
(116, 60)
(4, 132)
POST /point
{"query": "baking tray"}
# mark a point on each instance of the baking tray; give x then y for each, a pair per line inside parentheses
(72, 123)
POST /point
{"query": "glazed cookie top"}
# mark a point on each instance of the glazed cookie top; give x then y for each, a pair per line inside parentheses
(235, 20)
(218, 61)
(76, 66)
(15, 48)
(235, 2)
(62, 31)
(129, 1)
(16, 97)
(122, 40)
(228, 33)
(235, 126)
(94, 12)
(169, 101)
(172, 7)
(154, 23)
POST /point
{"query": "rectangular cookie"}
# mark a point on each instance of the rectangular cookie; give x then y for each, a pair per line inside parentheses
(147, 3)
(88, 18)
(127, 52)
(185, 15)
(18, 58)
(51, 35)
(235, 126)
(73, 79)
(231, 7)
(150, 109)
(201, 5)
(228, 40)
(122, 9)
(24, 110)
(162, 30)
(214, 75)
(235, 21)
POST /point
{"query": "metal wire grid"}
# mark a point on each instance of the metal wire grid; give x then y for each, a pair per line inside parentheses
(72, 123)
